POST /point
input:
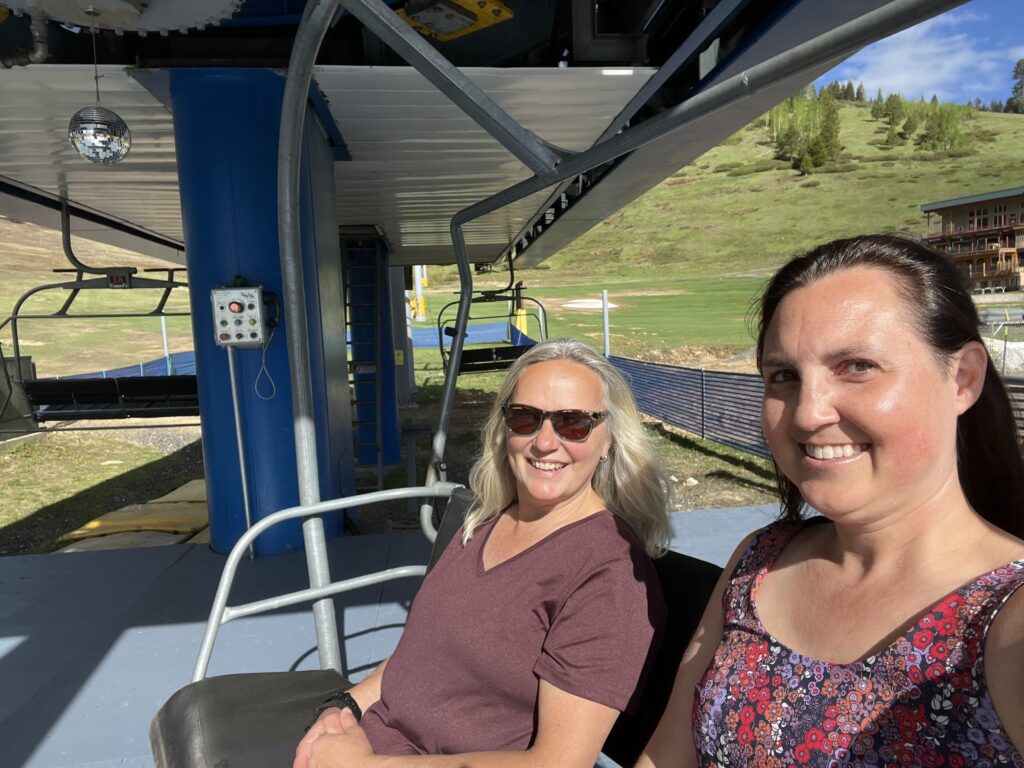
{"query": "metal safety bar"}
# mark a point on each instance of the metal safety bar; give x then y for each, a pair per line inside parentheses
(316, 18)
(124, 277)
(221, 613)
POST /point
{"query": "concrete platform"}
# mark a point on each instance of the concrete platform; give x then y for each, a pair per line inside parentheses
(92, 643)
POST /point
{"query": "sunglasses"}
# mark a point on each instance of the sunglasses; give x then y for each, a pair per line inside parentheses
(570, 425)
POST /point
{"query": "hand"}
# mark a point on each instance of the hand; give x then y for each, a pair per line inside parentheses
(328, 722)
(339, 742)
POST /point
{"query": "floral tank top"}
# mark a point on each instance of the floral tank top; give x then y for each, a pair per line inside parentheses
(920, 702)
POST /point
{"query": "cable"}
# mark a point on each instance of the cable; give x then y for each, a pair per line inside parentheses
(264, 371)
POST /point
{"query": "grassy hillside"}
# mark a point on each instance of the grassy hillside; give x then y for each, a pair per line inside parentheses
(722, 216)
(700, 244)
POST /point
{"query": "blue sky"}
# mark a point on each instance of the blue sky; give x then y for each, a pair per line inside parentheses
(965, 53)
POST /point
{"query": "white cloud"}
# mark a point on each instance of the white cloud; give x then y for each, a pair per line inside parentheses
(935, 57)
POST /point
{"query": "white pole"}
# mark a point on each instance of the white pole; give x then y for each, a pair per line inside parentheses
(604, 312)
(167, 354)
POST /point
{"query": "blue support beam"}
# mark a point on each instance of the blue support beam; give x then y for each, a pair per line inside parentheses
(226, 131)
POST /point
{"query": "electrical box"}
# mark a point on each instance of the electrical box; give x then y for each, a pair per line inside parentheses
(239, 319)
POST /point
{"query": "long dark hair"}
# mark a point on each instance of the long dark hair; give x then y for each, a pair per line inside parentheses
(989, 459)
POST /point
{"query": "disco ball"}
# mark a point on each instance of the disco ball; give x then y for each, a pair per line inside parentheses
(99, 135)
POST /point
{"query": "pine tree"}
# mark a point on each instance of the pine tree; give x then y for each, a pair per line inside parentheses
(815, 149)
(878, 107)
(787, 145)
(860, 95)
(910, 125)
(849, 93)
(1015, 103)
(828, 134)
(895, 110)
(997, 106)
(892, 135)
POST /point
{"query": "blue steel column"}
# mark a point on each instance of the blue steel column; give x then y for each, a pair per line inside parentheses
(226, 126)
(373, 354)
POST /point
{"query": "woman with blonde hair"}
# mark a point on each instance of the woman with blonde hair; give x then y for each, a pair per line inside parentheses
(537, 625)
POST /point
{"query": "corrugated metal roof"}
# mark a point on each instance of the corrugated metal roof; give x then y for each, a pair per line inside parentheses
(417, 159)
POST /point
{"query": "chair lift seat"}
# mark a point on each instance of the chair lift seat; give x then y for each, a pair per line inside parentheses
(486, 359)
(143, 396)
(255, 720)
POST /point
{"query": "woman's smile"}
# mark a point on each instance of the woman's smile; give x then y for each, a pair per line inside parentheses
(834, 452)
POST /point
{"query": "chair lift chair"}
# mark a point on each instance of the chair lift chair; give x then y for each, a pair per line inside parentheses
(256, 719)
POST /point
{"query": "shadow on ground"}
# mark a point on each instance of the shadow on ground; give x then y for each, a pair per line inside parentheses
(43, 530)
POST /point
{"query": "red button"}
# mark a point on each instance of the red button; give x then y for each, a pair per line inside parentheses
(236, 306)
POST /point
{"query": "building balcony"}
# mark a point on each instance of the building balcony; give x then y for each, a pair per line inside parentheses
(1009, 234)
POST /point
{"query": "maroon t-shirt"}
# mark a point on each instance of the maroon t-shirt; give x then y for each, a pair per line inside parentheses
(578, 609)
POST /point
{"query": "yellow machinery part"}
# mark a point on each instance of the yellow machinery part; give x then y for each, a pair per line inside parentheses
(487, 13)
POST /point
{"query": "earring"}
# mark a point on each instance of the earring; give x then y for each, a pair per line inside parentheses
(603, 459)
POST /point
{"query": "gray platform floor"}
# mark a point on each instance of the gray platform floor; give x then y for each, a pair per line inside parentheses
(93, 643)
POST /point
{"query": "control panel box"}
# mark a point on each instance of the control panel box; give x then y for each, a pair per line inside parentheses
(239, 318)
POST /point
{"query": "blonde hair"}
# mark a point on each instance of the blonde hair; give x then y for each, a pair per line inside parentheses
(630, 482)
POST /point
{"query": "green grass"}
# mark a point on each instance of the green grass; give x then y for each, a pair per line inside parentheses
(715, 235)
(74, 344)
(97, 474)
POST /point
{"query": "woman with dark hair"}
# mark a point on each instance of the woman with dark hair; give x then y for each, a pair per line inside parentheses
(890, 630)
(535, 627)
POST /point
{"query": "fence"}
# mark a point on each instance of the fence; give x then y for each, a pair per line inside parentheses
(715, 405)
(725, 407)
(1004, 338)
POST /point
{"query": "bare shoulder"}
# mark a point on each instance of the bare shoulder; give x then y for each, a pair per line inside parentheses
(1004, 666)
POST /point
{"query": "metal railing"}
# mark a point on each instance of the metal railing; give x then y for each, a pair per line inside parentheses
(221, 613)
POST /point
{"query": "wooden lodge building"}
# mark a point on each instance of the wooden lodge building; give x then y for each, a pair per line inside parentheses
(985, 234)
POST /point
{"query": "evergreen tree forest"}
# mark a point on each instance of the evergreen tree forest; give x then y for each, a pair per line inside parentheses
(805, 129)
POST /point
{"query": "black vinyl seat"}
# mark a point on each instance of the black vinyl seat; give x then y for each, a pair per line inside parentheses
(115, 398)
(255, 720)
(486, 359)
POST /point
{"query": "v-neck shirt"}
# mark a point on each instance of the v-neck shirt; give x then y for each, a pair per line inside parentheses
(578, 609)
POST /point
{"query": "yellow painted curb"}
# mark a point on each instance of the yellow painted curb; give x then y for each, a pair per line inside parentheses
(192, 491)
(129, 540)
(169, 517)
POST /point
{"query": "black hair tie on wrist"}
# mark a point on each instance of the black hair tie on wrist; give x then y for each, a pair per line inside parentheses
(341, 700)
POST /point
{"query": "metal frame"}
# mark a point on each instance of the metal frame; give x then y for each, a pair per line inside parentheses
(221, 613)
(682, 57)
(549, 165)
(511, 293)
(316, 18)
(443, 322)
(79, 284)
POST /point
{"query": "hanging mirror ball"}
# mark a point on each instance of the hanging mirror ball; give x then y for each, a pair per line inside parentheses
(99, 135)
